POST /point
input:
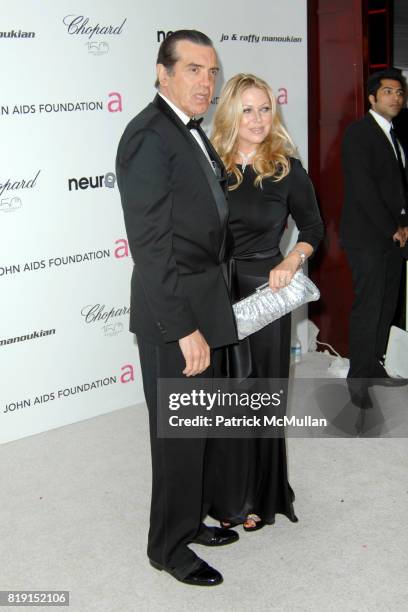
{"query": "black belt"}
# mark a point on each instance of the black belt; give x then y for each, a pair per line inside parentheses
(232, 271)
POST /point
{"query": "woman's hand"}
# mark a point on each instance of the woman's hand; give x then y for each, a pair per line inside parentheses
(282, 274)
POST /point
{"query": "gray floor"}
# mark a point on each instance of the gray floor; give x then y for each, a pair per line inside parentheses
(75, 508)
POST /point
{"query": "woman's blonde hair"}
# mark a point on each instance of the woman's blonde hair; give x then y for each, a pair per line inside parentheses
(272, 156)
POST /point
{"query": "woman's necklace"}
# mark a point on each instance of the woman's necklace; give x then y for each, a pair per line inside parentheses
(246, 158)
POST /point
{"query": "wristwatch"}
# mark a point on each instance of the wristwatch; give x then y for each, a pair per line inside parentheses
(302, 256)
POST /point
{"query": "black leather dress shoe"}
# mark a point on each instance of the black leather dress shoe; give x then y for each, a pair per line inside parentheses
(216, 536)
(389, 381)
(383, 379)
(203, 575)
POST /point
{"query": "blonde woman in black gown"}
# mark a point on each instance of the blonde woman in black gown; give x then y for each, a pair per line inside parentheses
(266, 185)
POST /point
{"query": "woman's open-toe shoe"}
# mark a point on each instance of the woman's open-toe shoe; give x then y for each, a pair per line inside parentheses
(257, 523)
(229, 524)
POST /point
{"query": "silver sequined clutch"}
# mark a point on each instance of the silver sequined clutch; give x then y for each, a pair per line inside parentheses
(264, 306)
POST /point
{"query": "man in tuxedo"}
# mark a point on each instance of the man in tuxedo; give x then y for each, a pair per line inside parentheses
(374, 225)
(401, 128)
(173, 190)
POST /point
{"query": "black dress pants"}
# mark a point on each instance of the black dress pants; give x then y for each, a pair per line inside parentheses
(181, 487)
(376, 281)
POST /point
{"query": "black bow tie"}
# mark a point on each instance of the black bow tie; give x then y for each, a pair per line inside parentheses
(194, 124)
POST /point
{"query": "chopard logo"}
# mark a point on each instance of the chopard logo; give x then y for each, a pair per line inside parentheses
(78, 24)
(94, 313)
(11, 185)
(9, 201)
(97, 313)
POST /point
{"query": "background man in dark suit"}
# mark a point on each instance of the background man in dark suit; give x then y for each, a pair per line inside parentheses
(173, 186)
(373, 225)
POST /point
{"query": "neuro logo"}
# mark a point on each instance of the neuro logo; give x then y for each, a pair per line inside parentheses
(107, 180)
(162, 35)
(110, 180)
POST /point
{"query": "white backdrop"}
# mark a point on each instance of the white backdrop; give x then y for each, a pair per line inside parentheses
(72, 78)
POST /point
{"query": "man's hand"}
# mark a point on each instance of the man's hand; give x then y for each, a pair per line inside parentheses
(196, 352)
(401, 236)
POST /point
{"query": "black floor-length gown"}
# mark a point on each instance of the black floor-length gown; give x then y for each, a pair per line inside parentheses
(251, 474)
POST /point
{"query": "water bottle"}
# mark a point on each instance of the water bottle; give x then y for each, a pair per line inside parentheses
(295, 351)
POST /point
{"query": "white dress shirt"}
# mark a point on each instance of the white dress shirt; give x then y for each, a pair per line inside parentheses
(386, 126)
(185, 119)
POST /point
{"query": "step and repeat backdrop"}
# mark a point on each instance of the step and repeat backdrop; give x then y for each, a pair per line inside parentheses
(73, 75)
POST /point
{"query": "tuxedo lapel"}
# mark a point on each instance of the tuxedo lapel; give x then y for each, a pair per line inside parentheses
(214, 156)
(388, 149)
(217, 185)
(386, 144)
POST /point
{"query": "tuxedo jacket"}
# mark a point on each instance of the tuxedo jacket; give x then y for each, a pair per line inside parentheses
(373, 189)
(400, 124)
(176, 218)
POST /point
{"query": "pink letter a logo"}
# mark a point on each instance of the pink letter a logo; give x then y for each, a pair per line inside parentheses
(122, 249)
(115, 105)
(282, 95)
(128, 374)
